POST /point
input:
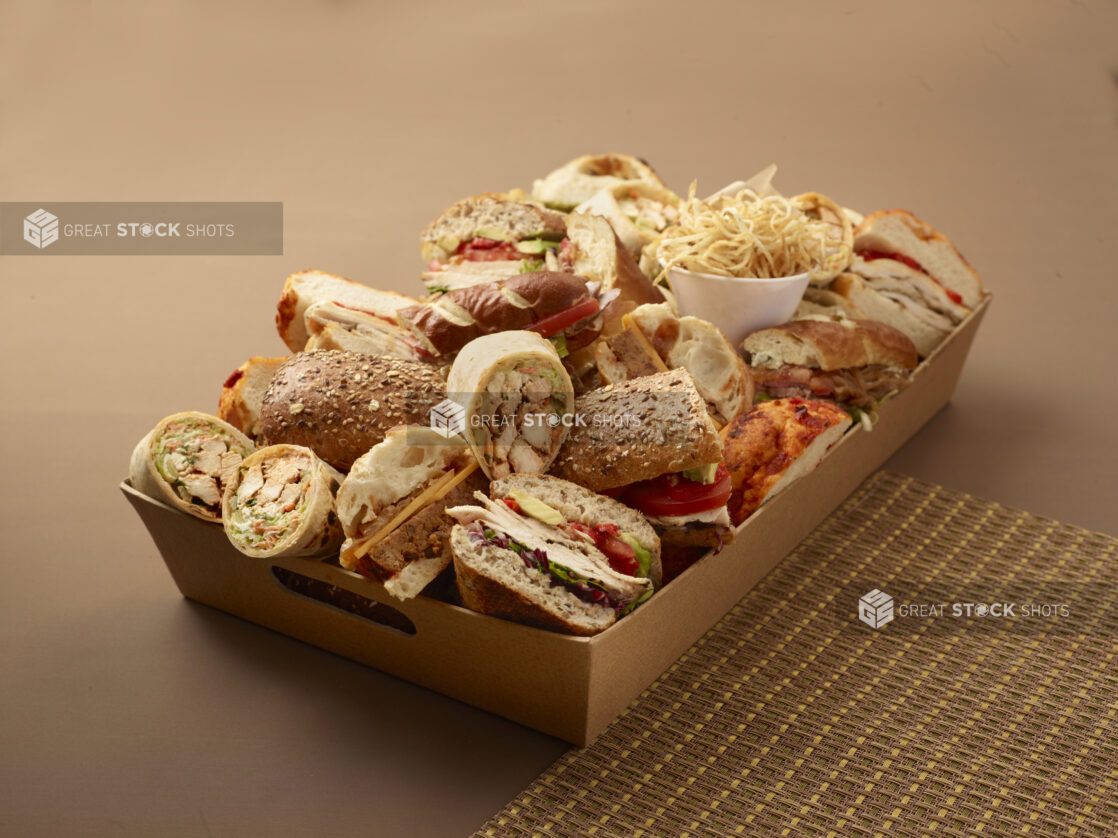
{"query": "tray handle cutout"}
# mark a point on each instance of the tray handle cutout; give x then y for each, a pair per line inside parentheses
(347, 601)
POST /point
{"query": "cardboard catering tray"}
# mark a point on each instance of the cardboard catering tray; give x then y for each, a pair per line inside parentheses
(570, 687)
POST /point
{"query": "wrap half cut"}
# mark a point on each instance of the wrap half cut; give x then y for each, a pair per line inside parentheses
(187, 460)
(517, 400)
(280, 502)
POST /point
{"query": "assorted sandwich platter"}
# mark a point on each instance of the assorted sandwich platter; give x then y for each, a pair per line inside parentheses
(536, 485)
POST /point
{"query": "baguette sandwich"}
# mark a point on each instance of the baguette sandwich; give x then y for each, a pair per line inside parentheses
(341, 404)
(581, 179)
(305, 288)
(391, 506)
(551, 554)
(242, 395)
(773, 444)
(853, 363)
(650, 443)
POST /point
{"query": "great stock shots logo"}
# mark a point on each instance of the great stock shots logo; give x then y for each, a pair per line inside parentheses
(40, 228)
(448, 418)
(875, 609)
(145, 228)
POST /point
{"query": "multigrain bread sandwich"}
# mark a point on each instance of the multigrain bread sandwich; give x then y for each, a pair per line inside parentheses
(773, 444)
(305, 288)
(580, 179)
(242, 395)
(853, 363)
(551, 554)
(392, 503)
(341, 404)
(650, 443)
(487, 237)
(654, 339)
(899, 236)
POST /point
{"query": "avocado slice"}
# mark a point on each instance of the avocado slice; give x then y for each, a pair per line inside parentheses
(702, 474)
(536, 245)
(492, 233)
(537, 508)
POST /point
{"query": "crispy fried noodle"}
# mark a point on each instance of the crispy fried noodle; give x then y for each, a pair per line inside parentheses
(747, 235)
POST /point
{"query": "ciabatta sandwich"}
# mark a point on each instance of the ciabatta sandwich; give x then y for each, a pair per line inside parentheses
(334, 326)
(305, 288)
(901, 237)
(391, 507)
(853, 363)
(548, 553)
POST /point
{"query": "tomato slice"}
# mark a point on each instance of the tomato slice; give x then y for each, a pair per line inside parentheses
(512, 504)
(622, 557)
(487, 250)
(673, 495)
(557, 322)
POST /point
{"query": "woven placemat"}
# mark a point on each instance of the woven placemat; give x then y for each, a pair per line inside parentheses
(793, 717)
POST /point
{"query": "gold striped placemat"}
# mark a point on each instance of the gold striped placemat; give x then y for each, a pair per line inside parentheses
(986, 706)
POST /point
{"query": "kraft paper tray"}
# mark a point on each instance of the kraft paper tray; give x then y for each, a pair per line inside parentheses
(569, 687)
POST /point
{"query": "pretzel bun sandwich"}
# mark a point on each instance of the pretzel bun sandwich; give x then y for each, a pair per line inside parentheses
(558, 306)
(391, 506)
(650, 443)
(516, 397)
(854, 363)
(899, 236)
(280, 502)
(187, 460)
(580, 179)
(341, 404)
(773, 444)
(551, 554)
(654, 339)
(242, 395)
(305, 288)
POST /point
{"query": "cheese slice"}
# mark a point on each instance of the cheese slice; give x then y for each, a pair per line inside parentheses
(437, 490)
(643, 342)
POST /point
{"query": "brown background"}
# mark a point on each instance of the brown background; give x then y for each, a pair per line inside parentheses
(126, 711)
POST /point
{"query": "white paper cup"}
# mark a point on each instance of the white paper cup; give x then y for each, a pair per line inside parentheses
(736, 305)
